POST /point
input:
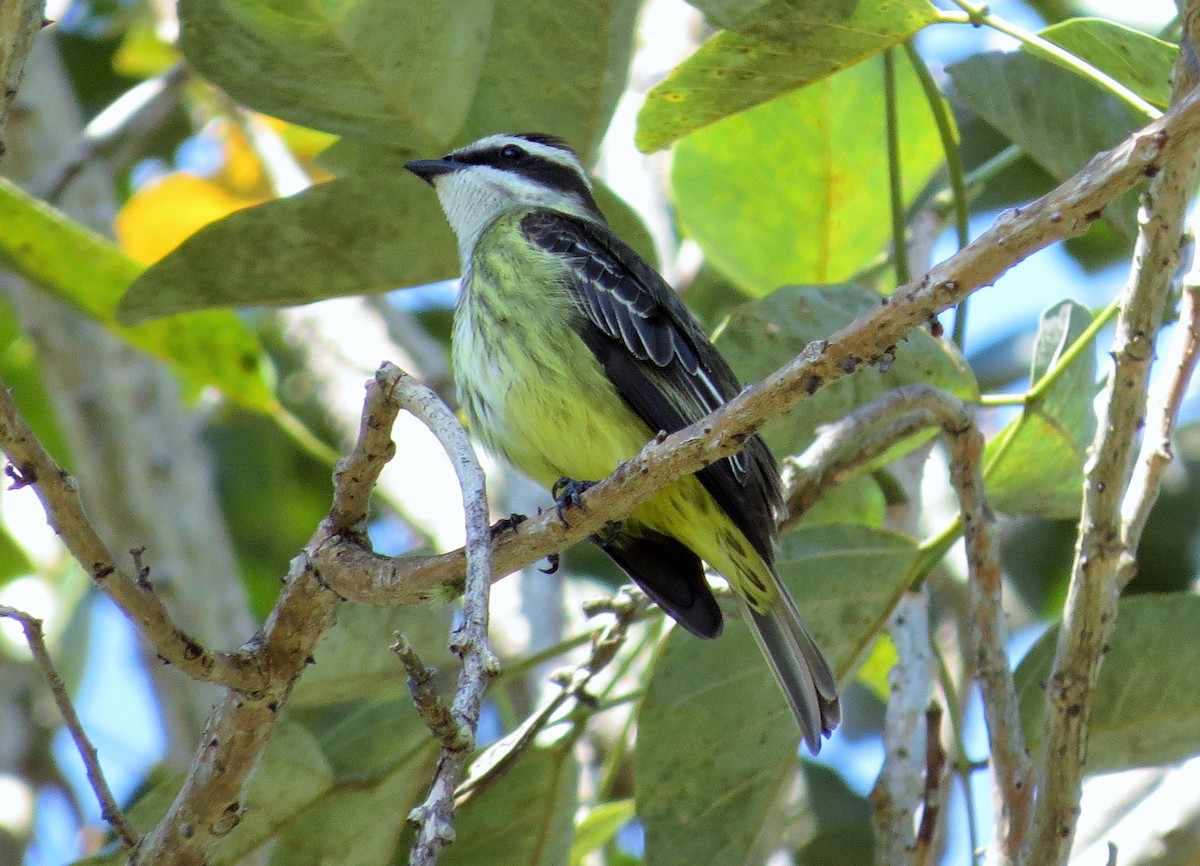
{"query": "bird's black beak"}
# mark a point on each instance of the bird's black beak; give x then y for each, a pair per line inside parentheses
(428, 169)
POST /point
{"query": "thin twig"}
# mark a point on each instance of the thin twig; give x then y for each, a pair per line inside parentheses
(432, 818)
(1107, 543)
(915, 407)
(109, 809)
(1067, 211)
(1156, 453)
(988, 637)
(934, 797)
(627, 606)
(845, 446)
(59, 494)
(208, 806)
(430, 706)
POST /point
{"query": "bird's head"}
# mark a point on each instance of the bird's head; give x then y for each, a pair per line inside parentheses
(499, 173)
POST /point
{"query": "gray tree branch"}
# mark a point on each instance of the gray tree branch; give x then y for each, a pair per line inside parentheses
(470, 640)
(109, 809)
(1107, 543)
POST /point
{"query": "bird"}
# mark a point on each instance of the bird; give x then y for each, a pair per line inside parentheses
(570, 353)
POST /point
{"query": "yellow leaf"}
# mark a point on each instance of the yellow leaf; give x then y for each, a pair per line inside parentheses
(158, 218)
(241, 173)
(142, 53)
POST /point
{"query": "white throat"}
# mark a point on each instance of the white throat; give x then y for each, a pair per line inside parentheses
(474, 197)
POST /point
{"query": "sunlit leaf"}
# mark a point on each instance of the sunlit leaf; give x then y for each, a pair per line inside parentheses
(1035, 465)
(143, 52)
(157, 218)
(1135, 59)
(599, 827)
(778, 46)
(87, 271)
(796, 190)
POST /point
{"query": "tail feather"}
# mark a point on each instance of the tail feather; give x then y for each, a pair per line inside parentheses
(803, 673)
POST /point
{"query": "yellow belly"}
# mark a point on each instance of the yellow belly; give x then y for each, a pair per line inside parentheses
(535, 395)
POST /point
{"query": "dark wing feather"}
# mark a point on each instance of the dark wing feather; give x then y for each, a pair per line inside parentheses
(670, 574)
(660, 360)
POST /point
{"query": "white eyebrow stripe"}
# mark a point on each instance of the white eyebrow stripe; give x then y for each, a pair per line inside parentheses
(547, 152)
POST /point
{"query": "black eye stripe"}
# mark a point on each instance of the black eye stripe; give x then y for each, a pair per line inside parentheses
(533, 167)
(506, 156)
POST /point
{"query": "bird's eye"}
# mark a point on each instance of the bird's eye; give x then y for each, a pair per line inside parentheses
(511, 152)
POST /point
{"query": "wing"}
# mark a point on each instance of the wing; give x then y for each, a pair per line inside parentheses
(660, 360)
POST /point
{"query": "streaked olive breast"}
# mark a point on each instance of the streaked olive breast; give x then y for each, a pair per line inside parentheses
(532, 390)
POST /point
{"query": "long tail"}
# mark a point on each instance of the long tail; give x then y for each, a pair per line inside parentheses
(803, 673)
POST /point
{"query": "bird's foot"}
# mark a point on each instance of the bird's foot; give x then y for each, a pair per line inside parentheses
(507, 524)
(568, 493)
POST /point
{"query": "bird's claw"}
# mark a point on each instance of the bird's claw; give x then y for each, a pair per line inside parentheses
(507, 524)
(568, 493)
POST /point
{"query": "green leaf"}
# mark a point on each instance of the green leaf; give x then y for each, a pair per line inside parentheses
(717, 746)
(14, 561)
(333, 790)
(292, 776)
(599, 827)
(353, 659)
(355, 235)
(1035, 465)
(874, 670)
(841, 818)
(1146, 706)
(357, 827)
(348, 236)
(727, 13)
(811, 205)
(1058, 118)
(523, 819)
(88, 272)
(764, 335)
(777, 47)
(402, 71)
(367, 739)
(554, 65)
(856, 500)
(383, 758)
(1135, 59)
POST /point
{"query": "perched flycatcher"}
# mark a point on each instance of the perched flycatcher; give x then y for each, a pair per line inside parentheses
(571, 353)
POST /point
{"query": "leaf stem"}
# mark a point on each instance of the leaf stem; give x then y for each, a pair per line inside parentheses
(895, 190)
(981, 16)
(954, 167)
(1042, 385)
